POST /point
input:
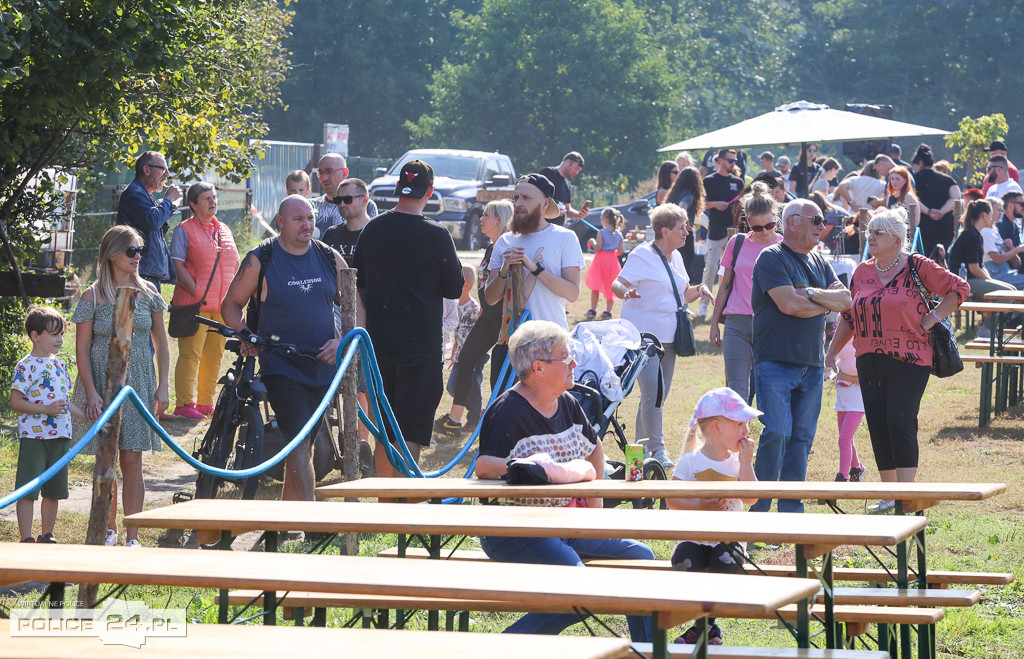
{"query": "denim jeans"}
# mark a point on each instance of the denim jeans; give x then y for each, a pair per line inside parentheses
(1004, 273)
(566, 551)
(790, 397)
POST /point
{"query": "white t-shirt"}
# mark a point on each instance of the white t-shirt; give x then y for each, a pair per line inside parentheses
(655, 310)
(862, 187)
(999, 189)
(554, 247)
(695, 466)
(991, 242)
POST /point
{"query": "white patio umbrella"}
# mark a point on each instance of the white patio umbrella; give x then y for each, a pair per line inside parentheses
(802, 123)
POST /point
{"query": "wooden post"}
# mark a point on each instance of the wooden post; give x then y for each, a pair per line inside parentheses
(349, 430)
(862, 230)
(105, 471)
(958, 214)
(913, 219)
(517, 275)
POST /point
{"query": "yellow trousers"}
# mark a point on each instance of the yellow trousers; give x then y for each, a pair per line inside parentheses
(199, 359)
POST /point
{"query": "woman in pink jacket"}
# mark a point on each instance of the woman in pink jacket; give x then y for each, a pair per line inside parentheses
(202, 277)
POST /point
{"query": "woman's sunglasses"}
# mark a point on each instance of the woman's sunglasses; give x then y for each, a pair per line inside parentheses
(763, 227)
(134, 251)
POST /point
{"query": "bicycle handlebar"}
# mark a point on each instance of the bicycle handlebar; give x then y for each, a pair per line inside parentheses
(270, 343)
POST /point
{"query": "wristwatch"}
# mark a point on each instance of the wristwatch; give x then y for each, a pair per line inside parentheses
(540, 269)
(811, 293)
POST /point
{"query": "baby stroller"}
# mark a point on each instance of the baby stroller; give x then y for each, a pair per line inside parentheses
(604, 377)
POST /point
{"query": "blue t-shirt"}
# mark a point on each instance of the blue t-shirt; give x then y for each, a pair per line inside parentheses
(610, 239)
(299, 309)
(779, 337)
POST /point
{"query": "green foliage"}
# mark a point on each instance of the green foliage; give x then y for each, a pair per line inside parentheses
(366, 64)
(537, 79)
(969, 141)
(14, 346)
(86, 82)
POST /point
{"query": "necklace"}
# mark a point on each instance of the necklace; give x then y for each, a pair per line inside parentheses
(891, 266)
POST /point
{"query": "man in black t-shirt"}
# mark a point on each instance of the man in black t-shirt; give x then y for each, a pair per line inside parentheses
(406, 266)
(572, 165)
(799, 185)
(721, 191)
(351, 200)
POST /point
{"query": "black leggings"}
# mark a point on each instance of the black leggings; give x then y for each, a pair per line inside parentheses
(892, 392)
(479, 340)
(723, 558)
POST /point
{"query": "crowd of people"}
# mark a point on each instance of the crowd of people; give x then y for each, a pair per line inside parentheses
(778, 296)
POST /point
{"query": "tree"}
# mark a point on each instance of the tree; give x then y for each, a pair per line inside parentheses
(536, 79)
(366, 64)
(969, 141)
(87, 82)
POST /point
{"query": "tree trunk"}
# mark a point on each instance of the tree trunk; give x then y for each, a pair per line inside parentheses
(349, 406)
(105, 470)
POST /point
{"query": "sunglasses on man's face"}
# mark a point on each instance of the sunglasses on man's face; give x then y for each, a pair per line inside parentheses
(134, 251)
(817, 220)
(347, 199)
(758, 228)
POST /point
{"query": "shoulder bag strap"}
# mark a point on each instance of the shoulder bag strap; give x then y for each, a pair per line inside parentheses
(928, 302)
(735, 257)
(216, 261)
(671, 277)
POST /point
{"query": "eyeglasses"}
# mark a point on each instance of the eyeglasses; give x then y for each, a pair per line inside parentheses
(347, 199)
(327, 171)
(758, 228)
(567, 360)
(163, 168)
(994, 167)
(731, 161)
(816, 219)
(134, 251)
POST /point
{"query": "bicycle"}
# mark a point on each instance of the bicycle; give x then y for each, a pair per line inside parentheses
(235, 436)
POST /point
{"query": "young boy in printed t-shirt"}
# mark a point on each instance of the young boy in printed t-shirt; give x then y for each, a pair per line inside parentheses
(40, 394)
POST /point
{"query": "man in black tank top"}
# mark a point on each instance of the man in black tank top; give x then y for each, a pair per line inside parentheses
(297, 295)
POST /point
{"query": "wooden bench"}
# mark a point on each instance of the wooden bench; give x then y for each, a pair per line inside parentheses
(984, 344)
(857, 618)
(936, 579)
(259, 642)
(735, 652)
(1007, 383)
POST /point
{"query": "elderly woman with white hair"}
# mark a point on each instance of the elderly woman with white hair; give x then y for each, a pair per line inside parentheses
(890, 325)
(538, 416)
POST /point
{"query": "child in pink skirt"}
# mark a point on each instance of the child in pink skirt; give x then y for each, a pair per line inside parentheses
(849, 409)
(605, 267)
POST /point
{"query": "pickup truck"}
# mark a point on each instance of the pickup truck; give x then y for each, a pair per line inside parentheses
(458, 178)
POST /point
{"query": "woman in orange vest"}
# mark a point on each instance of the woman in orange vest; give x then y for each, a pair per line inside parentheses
(202, 277)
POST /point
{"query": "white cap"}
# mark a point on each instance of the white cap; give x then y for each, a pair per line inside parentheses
(723, 402)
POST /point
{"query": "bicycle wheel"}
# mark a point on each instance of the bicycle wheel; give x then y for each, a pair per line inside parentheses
(249, 447)
(213, 451)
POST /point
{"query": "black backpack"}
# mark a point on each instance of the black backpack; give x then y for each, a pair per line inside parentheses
(266, 251)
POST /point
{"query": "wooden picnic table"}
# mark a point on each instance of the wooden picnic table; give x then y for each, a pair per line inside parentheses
(1005, 296)
(912, 496)
(814, 535)
(217, 641)
(671, 599)
(1000, 369)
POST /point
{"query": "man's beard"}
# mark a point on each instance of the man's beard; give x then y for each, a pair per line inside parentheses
(527, 223)
(992, 177)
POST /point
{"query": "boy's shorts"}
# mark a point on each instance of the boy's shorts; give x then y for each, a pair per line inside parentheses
(36, 456)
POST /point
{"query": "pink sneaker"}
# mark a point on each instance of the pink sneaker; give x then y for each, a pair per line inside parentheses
(188, 411)
(205, 409)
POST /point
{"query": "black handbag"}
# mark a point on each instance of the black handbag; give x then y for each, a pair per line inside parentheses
(945, 352)
(182, 322)
(684, 344)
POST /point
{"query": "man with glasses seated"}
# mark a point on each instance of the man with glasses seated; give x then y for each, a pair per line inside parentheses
(798, 184)
(721, 190)
(138, 209)
(332, 172)
(794, 287)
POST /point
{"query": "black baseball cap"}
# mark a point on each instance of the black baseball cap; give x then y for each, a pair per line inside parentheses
(547, 188)
(996, 145)
(415, 179)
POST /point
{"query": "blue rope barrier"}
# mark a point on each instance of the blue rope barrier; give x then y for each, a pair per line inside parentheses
(355, 339)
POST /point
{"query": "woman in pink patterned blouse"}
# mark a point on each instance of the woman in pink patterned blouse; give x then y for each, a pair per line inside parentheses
(890, 327)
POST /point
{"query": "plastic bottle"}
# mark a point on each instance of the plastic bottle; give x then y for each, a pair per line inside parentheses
(963, 271)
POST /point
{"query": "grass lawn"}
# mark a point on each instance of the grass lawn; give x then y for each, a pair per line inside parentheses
(983, 536)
